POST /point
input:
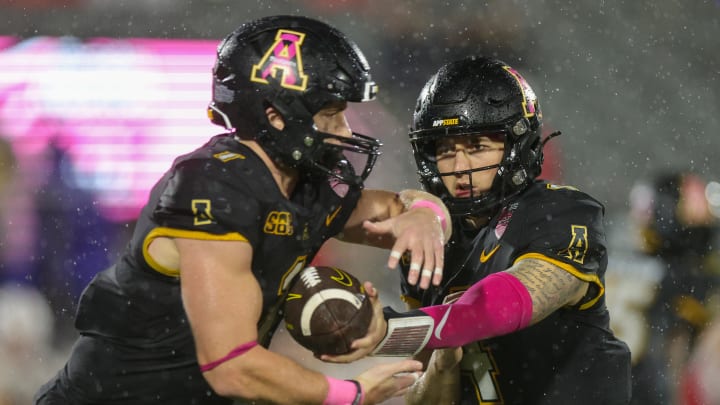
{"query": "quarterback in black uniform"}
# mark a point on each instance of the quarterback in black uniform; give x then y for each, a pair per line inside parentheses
(529, 257)
(186, 314)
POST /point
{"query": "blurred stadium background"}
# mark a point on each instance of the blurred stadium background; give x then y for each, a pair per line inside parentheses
(98, 96)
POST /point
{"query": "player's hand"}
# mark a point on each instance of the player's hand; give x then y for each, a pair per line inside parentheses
(418, 231)
(376, 332)
(385, 381)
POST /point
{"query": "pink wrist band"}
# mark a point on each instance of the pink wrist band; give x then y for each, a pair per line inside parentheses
(496, 305)
(343, 392)
(433, 206)
(239, 350)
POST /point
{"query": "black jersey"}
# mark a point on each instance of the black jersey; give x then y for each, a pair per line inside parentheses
(135, 345)
(571, 356)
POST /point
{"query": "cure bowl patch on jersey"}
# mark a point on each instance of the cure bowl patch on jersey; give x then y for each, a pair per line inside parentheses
(504, 220)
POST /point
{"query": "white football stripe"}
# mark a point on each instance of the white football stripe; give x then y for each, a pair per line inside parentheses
(310, 277)
(318, 298)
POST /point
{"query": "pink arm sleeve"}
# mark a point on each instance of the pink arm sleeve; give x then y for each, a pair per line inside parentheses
(496, 305)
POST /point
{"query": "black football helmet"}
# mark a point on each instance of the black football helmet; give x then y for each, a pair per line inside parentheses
(298, 66)
(479, 96)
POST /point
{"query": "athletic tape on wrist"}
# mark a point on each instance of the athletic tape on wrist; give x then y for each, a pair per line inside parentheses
(343, 392)
(407, 333)
(433, 206)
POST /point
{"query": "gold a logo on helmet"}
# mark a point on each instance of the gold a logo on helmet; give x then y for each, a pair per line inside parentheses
(283, 61)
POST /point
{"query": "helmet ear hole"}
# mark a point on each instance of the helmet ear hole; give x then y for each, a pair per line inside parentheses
(222, 73)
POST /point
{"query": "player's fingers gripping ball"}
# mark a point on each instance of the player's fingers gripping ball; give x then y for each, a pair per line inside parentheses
(327, 309)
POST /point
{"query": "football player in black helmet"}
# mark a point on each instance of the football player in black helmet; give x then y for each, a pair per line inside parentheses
(523, 291)
(495, 102)
(296, 80)
(187, 313)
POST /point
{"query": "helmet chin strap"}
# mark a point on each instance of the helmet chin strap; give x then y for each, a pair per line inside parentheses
(333, 164)
(290, 145)
(549, 137)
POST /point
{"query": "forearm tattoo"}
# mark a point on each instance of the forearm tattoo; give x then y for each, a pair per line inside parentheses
(549, 286)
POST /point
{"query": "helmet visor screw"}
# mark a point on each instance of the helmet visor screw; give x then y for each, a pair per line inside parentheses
(519, 177)
(520, 127)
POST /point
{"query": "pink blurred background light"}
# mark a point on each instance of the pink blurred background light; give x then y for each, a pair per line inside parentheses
(121, 110)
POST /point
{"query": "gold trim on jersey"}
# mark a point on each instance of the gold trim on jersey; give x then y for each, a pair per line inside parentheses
(226, 156)
(415, 303)
(458, 288)
(591, 278)
(410, 301)
(290, 274)
(550, 186)
(180, 233)
(479, 368)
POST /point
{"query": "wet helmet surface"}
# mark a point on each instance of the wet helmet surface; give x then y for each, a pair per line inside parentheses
(478, 96)
(297, 66)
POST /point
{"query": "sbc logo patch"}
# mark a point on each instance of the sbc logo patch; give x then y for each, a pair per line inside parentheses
(278, 223)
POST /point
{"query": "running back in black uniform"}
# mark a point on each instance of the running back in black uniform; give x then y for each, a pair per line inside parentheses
(131, 317)
(569, 357)
(230, 224)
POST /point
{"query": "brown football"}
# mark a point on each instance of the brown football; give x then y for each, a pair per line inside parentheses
(326, 309)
